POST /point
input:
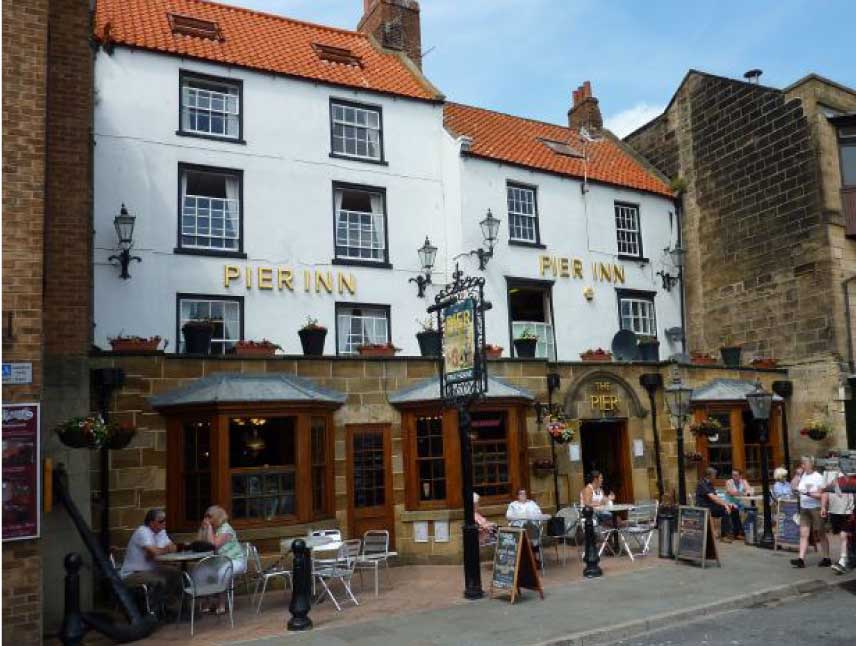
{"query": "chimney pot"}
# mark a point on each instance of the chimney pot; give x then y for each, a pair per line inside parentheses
(585, 111)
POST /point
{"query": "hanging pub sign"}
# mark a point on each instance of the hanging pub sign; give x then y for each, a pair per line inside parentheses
(460, 308)
(459, 341)
(21, 476)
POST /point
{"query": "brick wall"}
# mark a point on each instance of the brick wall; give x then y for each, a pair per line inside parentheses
(24, 100)
(138, 473)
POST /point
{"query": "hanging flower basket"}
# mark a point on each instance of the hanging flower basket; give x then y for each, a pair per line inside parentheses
(693, 457)
(816, 430)
(708, 427)
(91, 432)
(560, 429)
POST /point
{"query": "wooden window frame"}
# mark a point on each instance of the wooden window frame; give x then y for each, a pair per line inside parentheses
(735, 411)
(517, 446)
(221, 485)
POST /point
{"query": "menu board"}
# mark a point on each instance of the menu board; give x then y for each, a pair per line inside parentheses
(514, 564)
(787, 524)
(695, 536)
(21, 476)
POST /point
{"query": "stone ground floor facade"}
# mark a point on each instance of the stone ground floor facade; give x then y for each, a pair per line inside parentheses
(419, 505)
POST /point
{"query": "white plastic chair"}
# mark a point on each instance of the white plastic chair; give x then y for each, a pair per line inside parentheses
(341, 570)
(641, 523)
(573, 527)
(375, 553)
(273, 571)
(210, 577)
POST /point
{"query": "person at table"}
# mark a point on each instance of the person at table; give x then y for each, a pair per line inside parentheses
(720, 509)
(593, 496)
(812, 517)
(781, 486)
(149, 541)
(735, 488)
(522, 508)
(216, 530)
(487, 529)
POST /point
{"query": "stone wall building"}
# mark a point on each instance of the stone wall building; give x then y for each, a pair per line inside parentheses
(767, 250)
(47, 107)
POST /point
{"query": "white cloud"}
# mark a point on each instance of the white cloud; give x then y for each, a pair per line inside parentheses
(626, 121)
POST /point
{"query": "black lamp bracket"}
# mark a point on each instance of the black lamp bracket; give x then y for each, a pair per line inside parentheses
(123, 259)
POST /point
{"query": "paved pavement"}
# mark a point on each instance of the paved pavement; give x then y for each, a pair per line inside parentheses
(825, 618)
(593, 611)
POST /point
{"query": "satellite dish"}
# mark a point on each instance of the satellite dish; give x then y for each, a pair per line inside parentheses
(625, 346)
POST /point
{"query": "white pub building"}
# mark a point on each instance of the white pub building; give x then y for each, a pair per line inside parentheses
(279, 170)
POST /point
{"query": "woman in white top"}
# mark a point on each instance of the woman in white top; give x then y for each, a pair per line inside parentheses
(812, 517)
(522, 508)
(592, 494)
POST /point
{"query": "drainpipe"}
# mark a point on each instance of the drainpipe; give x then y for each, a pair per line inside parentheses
(651, 381)
(679, 217)
(106, 380)
(785, 389)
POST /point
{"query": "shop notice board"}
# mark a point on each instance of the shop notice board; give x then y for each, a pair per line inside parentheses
(695, 536)
(21, 474)
(514, 564)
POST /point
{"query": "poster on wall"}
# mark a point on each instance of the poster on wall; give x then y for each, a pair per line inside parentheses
(459, 341)
(21, 473)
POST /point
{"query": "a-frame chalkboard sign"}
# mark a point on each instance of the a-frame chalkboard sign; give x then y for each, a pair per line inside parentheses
(514, 564)
(696, 541)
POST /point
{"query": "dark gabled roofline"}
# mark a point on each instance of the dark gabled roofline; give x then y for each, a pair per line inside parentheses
(689, 73)
(437, 100)
(629, 150)
(509, 115)
(812, 76)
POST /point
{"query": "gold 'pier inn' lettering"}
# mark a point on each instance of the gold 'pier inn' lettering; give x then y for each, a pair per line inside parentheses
(283, 278)
(573, 268)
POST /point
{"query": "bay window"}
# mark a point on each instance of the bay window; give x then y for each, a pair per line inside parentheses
(265, 468)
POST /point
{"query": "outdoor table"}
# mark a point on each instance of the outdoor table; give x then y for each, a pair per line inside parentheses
(312, 542)
(182, 558)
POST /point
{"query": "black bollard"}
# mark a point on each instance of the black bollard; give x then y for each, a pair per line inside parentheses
(591, 557)
(301, 594)
(73, 627)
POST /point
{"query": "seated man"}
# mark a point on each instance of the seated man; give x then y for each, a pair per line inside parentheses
(487, 529)
(735, 488)
(147, 542)
(719, 509)
(522, 508)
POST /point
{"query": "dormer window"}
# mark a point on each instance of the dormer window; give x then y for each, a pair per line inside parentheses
(339, 55)
(190, 26)
(210, 106)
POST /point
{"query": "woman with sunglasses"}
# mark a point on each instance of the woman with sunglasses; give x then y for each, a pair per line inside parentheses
(216, 530)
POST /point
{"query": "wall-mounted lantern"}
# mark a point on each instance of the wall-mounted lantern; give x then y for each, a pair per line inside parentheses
(677, 254)
(490, 232)
(124, 223)
(427, 253)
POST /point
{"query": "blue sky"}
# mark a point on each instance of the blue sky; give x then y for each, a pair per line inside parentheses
(525, 56)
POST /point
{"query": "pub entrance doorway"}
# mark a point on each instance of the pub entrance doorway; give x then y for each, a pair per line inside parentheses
(605, 447)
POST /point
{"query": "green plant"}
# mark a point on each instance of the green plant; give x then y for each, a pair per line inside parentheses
(264, 343)
(91, 431)
(528, 334)
(678, 184)
(707, 426)
(427, 324)
(312, 324)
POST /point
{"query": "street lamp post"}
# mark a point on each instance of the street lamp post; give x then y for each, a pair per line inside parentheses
(678, 402)
(760, 403)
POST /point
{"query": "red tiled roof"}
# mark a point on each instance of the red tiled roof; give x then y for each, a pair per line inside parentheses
(260, 41)
(516, 140)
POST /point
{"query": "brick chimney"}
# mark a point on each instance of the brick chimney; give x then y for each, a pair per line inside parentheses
(585, 112)
(395, 25)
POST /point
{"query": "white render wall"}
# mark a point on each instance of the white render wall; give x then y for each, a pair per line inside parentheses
(288, 220)
(572, 225)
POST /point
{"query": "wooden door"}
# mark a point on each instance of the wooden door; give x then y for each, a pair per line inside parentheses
(606, 448)
(369, 468)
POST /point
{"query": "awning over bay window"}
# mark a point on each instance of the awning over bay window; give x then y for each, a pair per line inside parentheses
(725, 390)
(429, 391)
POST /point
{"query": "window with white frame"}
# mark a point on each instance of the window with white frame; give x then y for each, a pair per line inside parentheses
(224, 313)
(356, 131)
(522, 214)
(360, 224)
(210, 209)
(627, 230)
(637, 313)
(358, 325)
(530, 314)
(210, 107)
